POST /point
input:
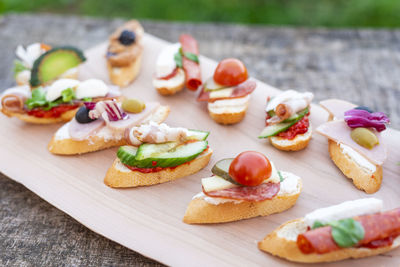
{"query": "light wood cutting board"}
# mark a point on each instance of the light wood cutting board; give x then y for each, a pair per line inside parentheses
(149, 219)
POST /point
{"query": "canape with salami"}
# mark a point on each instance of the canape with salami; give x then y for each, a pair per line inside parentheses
(355, 144)
(57, 102)
(124, 53)
(352, 229)
(178, 66)
(102, 125)
(287, 123)
(228, 92)
(244, 187)
(157, 154)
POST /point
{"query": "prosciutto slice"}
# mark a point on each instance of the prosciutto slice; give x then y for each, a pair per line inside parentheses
(133, 119)
(339, 132)
(379, 226)
(80, 131)
(337, 107)
(241, 90)
(260, 192)
(191, 68)
(13, 99)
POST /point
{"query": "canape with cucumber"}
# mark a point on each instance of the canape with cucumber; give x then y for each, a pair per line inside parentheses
(158, 153)
(287, 123)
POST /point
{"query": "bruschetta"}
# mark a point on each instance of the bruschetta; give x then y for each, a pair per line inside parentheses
(354, 142)
(124, 53)
(54, 103)
(352, 229)
(228, 92)
(157, 154)
(102, 125)
(287, 123)
(244, 187)
(178, 66)
(40, 64)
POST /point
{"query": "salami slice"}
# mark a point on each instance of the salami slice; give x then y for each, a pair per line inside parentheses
(191, 68)
(248, 193)
(379, 226)
(238, 91)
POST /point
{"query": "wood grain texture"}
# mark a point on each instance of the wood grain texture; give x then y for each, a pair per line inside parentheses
(149, 219)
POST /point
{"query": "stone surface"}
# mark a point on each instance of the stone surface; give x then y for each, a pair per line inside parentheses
(357, 65)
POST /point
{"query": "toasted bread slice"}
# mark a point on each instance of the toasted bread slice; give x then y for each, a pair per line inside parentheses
(298, 143)
(171, 86)
(123, 76)
(68, 146)
(119, 176)
(227, 118)
(370, 182)
(65, 117)
(282, 243)
(200, 211)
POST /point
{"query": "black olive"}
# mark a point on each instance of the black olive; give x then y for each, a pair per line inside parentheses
(82, 116)
(127, 37)
(365, 108)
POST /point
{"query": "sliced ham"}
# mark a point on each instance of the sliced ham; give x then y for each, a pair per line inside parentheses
(241, 90)
(154, 133)
(13, 99)
(260, 192)
(339, 132)
(337, 107)
(133, 119)
(191, 68)
(80, 131)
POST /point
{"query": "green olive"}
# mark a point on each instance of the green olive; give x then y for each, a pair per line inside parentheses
(364, 137)
(133, 105)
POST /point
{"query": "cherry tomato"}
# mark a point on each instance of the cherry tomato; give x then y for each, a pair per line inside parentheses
(230, 72)
(250, 168)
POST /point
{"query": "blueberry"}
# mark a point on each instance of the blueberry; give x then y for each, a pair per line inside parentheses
(127, 37)
(82, 116)
(365, 108)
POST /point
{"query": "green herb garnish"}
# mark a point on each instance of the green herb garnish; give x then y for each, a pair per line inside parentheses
(38, 99)
(178, 60)
(180, 54)
(191, 56)
(19, 67)
(280, 176)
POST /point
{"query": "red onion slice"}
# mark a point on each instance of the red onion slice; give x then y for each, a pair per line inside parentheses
(361, 118)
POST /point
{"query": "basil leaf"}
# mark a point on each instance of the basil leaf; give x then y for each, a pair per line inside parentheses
(178, 60)
(19, 67)
(191, 56)
(67, 95)
(347, 232)
(317, 224)
(280, 176)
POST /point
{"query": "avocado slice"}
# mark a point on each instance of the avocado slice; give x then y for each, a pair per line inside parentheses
(55, 62)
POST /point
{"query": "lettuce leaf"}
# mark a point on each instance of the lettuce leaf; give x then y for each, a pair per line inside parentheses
(38, 99)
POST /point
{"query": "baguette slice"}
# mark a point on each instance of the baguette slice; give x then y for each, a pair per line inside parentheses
(119, 176)
(298, 143)
(199, 211)
(282, 243)
(65, 117)
(362, 179)
(123, 76)
(168, 87)
(69, 146)
(227, 118)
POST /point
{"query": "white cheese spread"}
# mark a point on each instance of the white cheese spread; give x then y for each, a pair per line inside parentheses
(54, 91)
(235, 105)
(361, 161)
(175, 81)
(165, 63)
(91, 88)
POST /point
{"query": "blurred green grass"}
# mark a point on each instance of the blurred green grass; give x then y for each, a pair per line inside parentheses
(328, 13)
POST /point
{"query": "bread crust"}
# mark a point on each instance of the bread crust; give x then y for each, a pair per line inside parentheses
(123, 76)
(65, 117)
(121, 179)
(363, 180)
(298, 143)
(228, 118)
(166, 91)
(200, 212)
(95, 143)
(287, 249)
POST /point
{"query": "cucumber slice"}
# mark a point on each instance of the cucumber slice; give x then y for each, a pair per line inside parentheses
(211, 85)
(198, 135)
(158, 156)
(297, 116)
(221, 169)
(274, 129)
(127, 154)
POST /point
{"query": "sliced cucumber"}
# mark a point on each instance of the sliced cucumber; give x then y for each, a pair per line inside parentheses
(198, 135)
(211, 85)
(127, 154)
(158, 156)
(297, 116)
(274, 129)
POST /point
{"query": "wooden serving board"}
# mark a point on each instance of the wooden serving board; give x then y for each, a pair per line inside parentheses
(149, 219)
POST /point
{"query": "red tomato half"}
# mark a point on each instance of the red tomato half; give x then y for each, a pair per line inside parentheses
(230, 72)
(250, 168)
